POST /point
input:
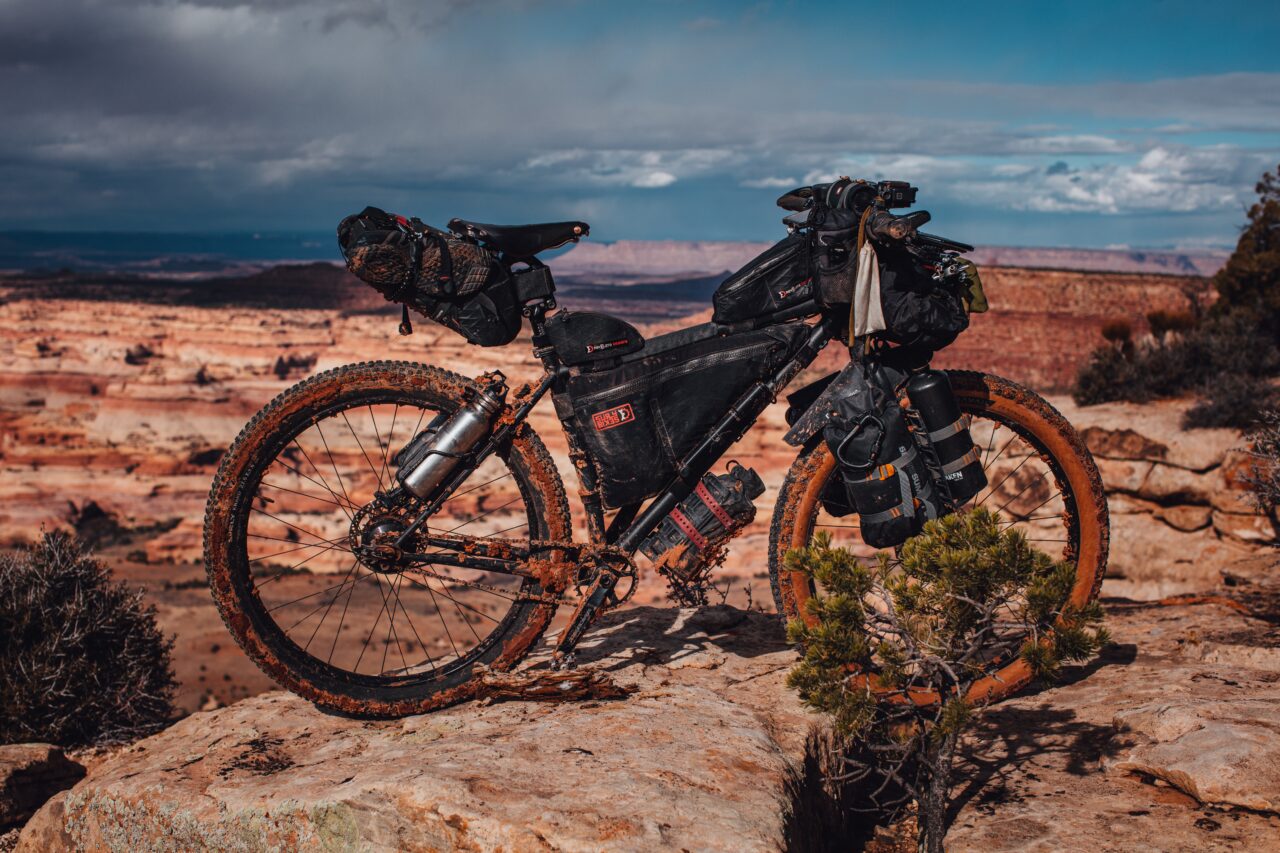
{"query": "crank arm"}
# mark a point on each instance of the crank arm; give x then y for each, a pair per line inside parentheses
(597, 599)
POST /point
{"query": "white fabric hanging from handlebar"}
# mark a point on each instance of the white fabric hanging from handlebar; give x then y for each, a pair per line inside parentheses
(868, 316)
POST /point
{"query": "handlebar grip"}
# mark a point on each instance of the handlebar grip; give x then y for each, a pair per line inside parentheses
(886, 226)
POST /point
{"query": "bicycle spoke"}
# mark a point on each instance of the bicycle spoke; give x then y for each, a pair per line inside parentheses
(996, 488)
(329, 452)
(363, 452)
(341, 501)
(301, 494)
(482, 515)
(1023, 490)
(341, 621)
(386, 451)
(305, 597)
(311, 639)
(291, 569)
(331, 542)
(364, 648)
(462, 603)
(413, 628)
(315, 536)
(443, 624)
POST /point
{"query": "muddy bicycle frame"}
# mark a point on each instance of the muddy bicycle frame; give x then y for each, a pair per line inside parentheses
(630, 525)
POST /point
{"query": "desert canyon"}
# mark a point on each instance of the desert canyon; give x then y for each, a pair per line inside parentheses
(119, 393)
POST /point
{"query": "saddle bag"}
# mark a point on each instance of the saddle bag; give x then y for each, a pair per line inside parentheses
(450, 279)
(720, 506)
(639, 415)
(775, 280)
(886, 480)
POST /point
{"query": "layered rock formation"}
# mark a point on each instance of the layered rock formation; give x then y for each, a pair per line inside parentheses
(1180, 516)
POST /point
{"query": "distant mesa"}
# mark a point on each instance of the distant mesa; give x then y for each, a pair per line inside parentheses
(691, 258)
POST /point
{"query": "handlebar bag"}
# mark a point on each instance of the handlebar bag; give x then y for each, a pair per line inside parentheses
(448, 278)
(776, 279)
(919, 311)
(638, 417)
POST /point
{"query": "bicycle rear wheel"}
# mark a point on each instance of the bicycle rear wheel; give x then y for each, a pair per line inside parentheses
(1041, 479)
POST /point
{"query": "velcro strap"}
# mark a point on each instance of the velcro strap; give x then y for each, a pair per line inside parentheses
(960, 424)
(712, 504)
(956, 464)
(686, 526)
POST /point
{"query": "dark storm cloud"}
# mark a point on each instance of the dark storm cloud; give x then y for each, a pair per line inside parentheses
(217, 113)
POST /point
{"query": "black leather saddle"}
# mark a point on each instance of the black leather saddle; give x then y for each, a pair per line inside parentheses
(521, 241)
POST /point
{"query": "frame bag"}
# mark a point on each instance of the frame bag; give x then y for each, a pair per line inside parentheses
(452, 280)
(638, 416)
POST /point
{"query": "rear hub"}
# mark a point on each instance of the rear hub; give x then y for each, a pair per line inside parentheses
(374, 531)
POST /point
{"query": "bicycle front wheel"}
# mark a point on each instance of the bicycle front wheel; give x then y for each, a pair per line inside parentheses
(1041, 480)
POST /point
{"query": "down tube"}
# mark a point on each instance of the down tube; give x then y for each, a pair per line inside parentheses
(740, 418)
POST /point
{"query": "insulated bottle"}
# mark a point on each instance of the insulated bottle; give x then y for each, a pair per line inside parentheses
(930, 395)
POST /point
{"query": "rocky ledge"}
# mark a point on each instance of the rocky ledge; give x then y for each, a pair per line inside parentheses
(1170, 735)
(1180, 514)
(707, 754)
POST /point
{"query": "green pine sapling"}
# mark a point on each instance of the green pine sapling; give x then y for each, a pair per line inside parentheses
(929, 623)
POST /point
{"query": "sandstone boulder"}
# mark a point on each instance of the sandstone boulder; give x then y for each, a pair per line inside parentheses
(1222, 751)
(703, 756)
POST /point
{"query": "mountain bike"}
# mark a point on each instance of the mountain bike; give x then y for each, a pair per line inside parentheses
(382, 533)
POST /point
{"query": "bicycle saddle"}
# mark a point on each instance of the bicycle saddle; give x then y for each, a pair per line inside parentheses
(521, 241)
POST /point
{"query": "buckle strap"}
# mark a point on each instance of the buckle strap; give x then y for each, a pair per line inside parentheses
(956, 464)
(959, 425)
(686, 526)
(712, 504)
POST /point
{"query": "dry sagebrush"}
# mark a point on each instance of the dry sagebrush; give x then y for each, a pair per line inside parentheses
(81, 658)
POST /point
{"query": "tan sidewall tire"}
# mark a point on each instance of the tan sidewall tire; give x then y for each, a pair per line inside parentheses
(987, 395)
(432, 385)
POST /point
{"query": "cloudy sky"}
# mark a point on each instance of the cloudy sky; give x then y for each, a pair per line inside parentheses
(1084, 123)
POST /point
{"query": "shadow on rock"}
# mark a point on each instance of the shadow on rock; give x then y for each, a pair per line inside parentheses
(665, 635)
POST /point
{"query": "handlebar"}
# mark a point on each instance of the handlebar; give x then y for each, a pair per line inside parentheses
(886, 226)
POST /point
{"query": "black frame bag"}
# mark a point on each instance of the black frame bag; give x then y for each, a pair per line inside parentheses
(639, 415)
(450, 279)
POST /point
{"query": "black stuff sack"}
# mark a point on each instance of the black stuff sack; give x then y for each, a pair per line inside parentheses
(919, 311)
(775, 280)
(450, 279)
(720, 506)
(886, 480)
